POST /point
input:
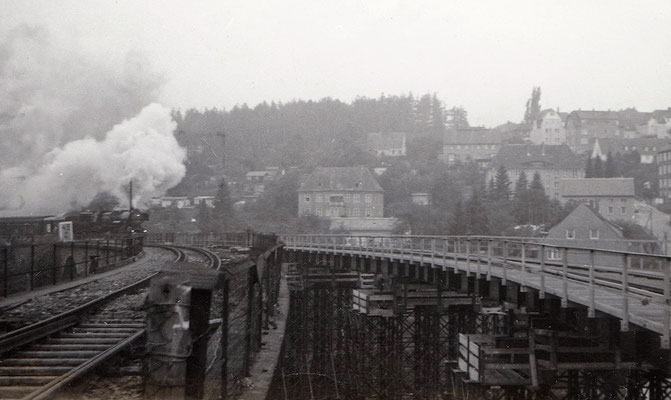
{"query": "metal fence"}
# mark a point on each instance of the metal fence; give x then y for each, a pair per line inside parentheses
(26, 267)
(244, 307)
(246, 238)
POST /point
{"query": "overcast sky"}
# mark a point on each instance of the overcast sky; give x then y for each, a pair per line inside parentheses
(484, 55)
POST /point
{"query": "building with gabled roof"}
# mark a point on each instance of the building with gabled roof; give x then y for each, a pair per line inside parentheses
(390, 144)
(470, 144)
(548, 128)
(341, 192)
(585, 228)
(613, 198)
(552, 162)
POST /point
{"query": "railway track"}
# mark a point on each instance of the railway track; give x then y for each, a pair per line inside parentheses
(37, 361)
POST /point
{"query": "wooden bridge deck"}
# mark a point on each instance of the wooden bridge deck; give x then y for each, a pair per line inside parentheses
(598, 293)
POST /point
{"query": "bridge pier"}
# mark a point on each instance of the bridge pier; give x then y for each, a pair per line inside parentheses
(530, 344)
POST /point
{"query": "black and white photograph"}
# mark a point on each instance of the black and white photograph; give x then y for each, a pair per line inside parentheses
(335, 200)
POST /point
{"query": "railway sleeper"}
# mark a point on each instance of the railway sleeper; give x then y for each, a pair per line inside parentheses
(93, 335)
(16, 392)
(25, 380)
(80, 341)
(66, 347)
(8, 362)
(55, 354)
(33, 371)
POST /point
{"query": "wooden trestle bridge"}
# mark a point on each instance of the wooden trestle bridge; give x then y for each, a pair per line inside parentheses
(472, 317)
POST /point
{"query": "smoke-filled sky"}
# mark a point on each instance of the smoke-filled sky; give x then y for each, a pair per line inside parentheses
(484, 55)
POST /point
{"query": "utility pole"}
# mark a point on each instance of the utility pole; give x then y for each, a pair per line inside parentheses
(130, 196)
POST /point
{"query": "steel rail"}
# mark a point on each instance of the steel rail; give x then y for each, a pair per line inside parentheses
(40, 330)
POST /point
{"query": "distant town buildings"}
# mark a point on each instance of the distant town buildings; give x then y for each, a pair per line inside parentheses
(646, 147)
(552, 162)
(613, 198)
(421, 198)
(659, 123)
(171, 201)
(548, 128)
(341, 192)
(584, 127)
(391, 144)
(470, 144)
(664, 172)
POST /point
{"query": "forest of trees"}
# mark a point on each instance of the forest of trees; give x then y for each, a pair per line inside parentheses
(305, 134)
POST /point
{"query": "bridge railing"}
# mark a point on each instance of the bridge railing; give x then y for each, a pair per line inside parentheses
(638, 278)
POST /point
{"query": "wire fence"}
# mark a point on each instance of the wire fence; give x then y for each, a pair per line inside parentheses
(26, 267)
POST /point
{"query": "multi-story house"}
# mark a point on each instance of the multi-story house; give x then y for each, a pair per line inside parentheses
(613, 198)
(659, 123)
(548, 128)
(552, 162)
(646, 147)
(582, 127)
(390, 144)
(664, 172)
(470, 144)
(341, 192)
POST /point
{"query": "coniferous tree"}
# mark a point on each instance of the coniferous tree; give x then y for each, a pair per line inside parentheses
(204, 218)
(458, 222)
(477, 216)
(521, 200)
(457, 118)
(598, 168)
(589, 168)
(223, 216)
(609, 168)
(437, 117)
(502, 184)
(538, 201)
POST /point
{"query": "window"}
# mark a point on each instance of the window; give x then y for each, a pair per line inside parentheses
(593, 233)
(348, 198)
(356, 212)
(610, 210)
(327, 211)
(368, 213)
(553, 254)
(318, 212)
(556, 185)
(570, 234)
(319, 198)
(623, 210)
(356, 198)
(336, 199)
(307, 197)
(369, 198)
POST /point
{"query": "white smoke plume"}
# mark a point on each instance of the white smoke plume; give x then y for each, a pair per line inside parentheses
(142, 149)
(57, 106)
